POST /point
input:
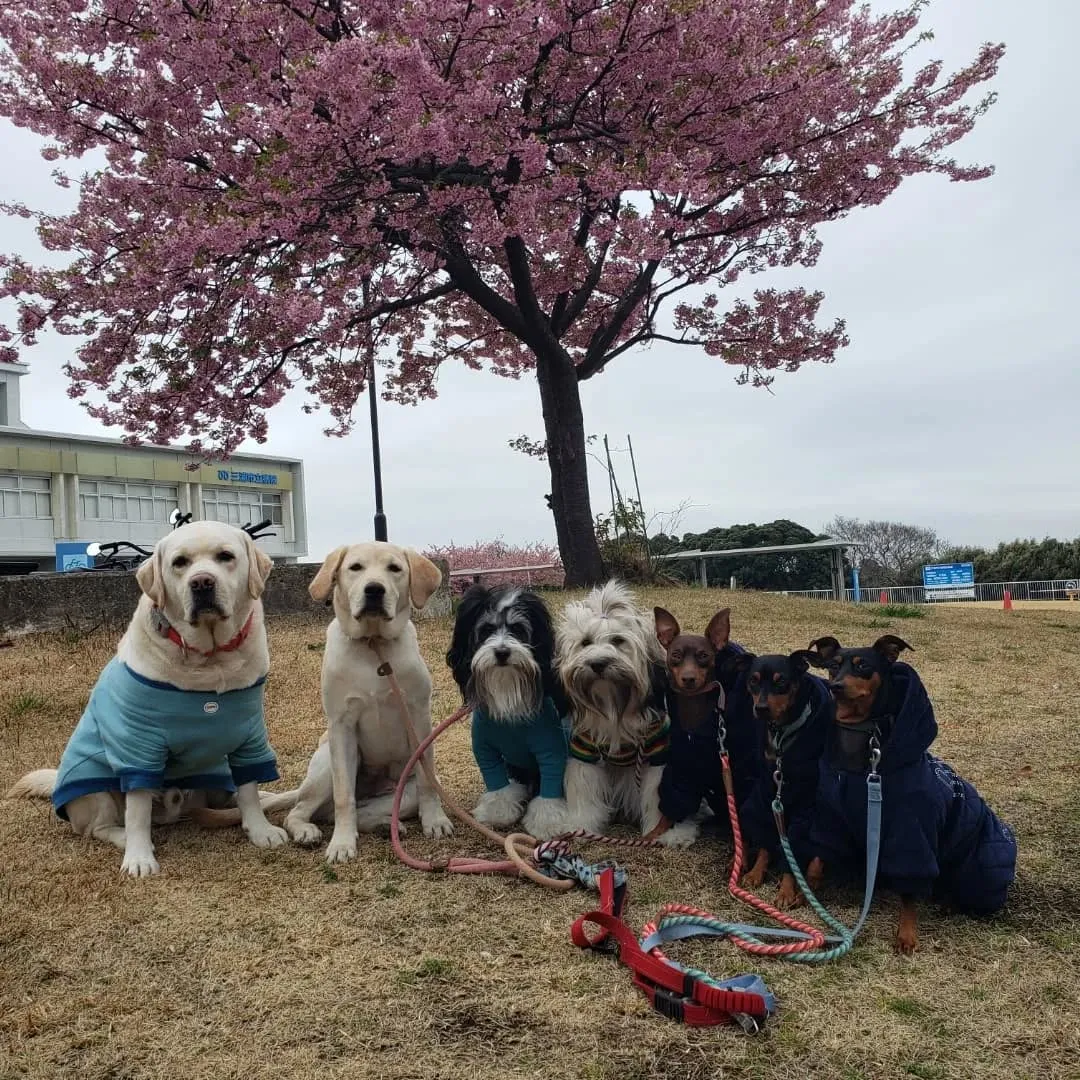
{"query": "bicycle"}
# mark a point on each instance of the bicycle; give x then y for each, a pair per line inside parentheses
(134, 555)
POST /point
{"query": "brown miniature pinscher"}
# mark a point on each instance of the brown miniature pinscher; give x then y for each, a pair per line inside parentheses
(856, 678)
(691, 672)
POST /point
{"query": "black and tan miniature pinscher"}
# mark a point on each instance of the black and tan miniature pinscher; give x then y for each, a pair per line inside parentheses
(706, 675)
(793, 711)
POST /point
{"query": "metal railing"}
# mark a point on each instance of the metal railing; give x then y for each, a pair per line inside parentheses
(984, 592)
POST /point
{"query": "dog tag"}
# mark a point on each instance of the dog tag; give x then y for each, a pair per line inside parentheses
(210, 707)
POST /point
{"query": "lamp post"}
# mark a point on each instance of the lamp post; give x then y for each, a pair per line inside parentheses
(373, 406)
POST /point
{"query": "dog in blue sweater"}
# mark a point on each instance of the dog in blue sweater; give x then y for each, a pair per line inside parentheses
(501, 658)
(793, 712)
(706, 680)
(939, 839)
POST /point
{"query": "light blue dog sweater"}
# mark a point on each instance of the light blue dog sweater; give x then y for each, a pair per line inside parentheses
(136, 733)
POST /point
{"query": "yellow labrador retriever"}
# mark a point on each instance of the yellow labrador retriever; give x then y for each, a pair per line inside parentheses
(353, 771)
(176, 717)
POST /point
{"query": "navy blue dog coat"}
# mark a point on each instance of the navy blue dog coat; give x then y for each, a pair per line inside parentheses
(939, 838)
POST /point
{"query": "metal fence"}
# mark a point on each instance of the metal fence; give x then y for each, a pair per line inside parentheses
(985, 591)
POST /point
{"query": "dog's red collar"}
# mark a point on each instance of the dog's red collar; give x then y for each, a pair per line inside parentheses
(167, 630)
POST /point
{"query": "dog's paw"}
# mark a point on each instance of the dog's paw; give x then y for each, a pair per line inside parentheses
(437, 825)
(266, 835)
(502, 808)
(305, 833)
(788, 896)
(139, 864)
(681, 835)
(754, 878)
(906, 942)
(341, 849)
(545, 818)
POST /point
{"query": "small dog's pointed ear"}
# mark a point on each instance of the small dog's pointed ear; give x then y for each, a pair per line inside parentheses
(731, 664)
(324, 581)
(719, 629)
(824, 648)
(801, 659)
(667, 627)
(891, 647)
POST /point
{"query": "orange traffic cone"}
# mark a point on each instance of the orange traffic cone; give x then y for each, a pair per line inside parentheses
(1007, 604)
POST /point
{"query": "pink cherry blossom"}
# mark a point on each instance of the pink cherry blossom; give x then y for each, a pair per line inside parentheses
(526, 188)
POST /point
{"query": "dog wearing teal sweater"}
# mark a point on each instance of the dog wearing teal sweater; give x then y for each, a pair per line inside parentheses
(501, 658)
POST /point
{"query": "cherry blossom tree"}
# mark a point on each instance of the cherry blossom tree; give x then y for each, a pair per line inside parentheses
(533, 187)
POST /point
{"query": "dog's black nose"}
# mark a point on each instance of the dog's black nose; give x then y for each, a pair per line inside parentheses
(761, 710)
(599, 666)
(502, 655)
(374, 590)
(202, 583)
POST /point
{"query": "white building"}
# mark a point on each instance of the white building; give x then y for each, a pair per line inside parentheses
(62, 488)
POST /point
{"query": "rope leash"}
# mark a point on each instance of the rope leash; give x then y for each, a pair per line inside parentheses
(420, 755)
(679, 921)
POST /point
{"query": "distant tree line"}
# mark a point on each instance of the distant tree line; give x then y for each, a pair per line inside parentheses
(892, 553)
(797, 570)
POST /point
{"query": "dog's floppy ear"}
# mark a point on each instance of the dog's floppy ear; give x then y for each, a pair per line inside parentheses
(891, 647)
(424, 578)
(719, 629)
(323, 582)
(150, 578)
(459, 655)
(823, 649)
(667, 626)
(259, 566)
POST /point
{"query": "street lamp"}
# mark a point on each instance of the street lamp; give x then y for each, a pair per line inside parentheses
(373, 407)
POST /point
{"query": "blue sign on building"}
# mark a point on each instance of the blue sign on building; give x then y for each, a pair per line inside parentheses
(248, 477)
(949, 576)
(73, 557)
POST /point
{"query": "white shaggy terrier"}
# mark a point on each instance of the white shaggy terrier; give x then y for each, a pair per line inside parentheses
(611, 667)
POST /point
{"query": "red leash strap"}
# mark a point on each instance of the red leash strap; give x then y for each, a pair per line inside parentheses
(673, 993)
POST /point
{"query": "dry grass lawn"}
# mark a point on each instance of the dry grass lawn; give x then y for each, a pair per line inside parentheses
(241, 963)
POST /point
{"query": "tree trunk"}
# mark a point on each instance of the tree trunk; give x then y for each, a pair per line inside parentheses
(564, 427)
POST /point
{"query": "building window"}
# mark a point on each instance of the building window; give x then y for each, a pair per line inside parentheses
(25, 496)
(239, 506)
(126, 500)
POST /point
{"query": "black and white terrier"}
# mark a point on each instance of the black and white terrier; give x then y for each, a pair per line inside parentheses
(612, 669)
(501, 655)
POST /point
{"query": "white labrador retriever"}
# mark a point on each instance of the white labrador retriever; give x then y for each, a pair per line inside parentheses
(357, 763)
(176, 718)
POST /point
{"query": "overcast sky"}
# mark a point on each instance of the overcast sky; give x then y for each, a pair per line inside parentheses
(956, 405)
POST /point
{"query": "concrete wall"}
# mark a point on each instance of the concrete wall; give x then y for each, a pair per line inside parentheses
(73, 601)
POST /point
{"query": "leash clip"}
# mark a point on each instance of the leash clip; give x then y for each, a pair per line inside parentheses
(875, 755)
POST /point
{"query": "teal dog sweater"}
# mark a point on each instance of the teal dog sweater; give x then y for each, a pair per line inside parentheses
(136, 733)
(531, 751)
